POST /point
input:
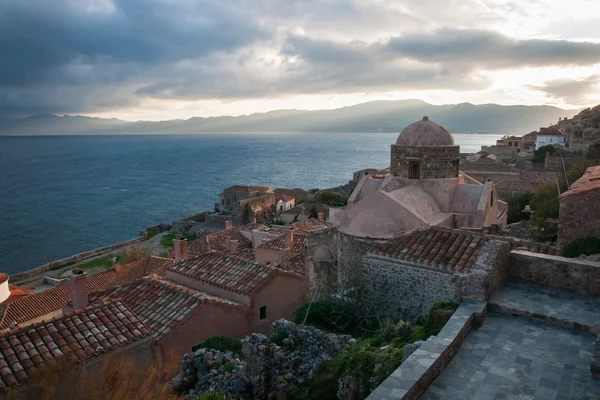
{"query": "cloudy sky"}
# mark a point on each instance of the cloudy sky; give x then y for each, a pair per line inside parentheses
(163, 59)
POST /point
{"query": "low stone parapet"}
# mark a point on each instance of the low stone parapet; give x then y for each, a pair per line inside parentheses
(572, 274)
(413, 376)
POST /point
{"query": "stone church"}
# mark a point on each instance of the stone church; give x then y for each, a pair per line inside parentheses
(425, 188)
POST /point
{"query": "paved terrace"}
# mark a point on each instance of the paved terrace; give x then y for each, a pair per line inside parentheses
(514, 358)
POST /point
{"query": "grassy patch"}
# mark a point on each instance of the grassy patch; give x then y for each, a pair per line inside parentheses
(166, 241)
(152, 233)
(102, 262)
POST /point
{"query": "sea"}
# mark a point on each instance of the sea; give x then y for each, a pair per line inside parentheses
(62, 195)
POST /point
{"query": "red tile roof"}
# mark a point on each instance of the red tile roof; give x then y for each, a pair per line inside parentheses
(220, 270)
(296, 264)
(216, 242)
(279, 243)
(452, 250)
(589, 181)
(310, 225)
(447, 249)
(49, 301)
(284, 198)
(83, 334)
(159, 304)
(250, 227)
(246, 254)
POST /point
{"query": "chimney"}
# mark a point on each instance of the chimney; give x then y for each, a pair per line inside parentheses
(289, 238)
(227, 243)
(234, 246)
(285, 259)
(321, 216)
(79, 289)
(180, 250)
(115, 265)
(526, 213)
(228, 225)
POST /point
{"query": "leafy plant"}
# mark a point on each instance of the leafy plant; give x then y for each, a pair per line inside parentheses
(584, 246)
(330, 198)
(539, 155)
(313, 213)
(223, 343)
(517, 202)
(214, 395)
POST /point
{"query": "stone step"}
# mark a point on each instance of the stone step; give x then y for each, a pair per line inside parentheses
(548, 305)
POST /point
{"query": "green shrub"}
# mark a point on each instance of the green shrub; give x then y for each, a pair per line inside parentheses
(214, 396)
(517, 202)
(332, 316)
(585, 246)
(330, 198)
(223, 343)
(539, 155)
(278, 338)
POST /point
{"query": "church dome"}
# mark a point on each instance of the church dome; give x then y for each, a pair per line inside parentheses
(425, 133)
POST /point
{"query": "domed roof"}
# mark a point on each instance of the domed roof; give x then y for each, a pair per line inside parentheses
(425, 133)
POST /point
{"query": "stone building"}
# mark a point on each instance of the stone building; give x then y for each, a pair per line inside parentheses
(284, 203)
(579, 215)
(231, 197)
(425, 188)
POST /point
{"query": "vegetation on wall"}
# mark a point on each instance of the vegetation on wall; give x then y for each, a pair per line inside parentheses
(330, 198)
(583, 246)
(539, 155)
(313, 213)
(223, 343)
(373, 358)
(516, 203)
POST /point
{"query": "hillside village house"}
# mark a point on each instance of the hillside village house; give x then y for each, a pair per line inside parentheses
(545, 140)
(284, 203)
(230, 198)
(511, 141)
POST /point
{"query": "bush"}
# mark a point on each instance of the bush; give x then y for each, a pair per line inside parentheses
(517, 202)
(585, 246)
(330, 198)
(214, 396)
(223, 343)
(332, 316)
(539, 155)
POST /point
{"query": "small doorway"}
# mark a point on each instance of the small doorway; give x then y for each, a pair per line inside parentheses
(414, 170)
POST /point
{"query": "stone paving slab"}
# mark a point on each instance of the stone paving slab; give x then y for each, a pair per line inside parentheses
(549, 305)
(514, 358)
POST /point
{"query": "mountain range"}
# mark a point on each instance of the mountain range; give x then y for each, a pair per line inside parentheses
(375, 116)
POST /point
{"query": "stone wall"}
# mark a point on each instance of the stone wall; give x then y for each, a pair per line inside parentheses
(435, 161)
(73, 259)
(413, 376)
(261, 206)
(571, 274)
(578, 217)
(403, 290)
(267, 367)
(490, 271)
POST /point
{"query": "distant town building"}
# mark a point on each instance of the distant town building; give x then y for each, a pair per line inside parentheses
(230, 198)
(511, 141)
(544, 140)
(284, 203)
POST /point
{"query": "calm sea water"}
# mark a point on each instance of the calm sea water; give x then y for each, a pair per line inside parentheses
(61, 195)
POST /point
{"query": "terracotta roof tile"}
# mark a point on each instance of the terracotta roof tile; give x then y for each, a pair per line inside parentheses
(246, 254)
(447, 249)
(49, 301)
(159, 304)
(215, 242)
(296, 264)
(279, 243)
(83, 334)
(590, 180)
(227, 272)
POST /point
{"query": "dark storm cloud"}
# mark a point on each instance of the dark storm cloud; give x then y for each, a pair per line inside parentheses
(569, 90)
(76, 56)
(490, 50)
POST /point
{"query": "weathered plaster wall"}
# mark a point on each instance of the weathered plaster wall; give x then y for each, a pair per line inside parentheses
(579, 217)
(435, 161)
(560, 272)
(398, 289)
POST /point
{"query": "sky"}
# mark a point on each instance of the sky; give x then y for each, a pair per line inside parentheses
(176, 59)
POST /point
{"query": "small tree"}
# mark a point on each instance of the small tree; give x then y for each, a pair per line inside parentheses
(313, 213)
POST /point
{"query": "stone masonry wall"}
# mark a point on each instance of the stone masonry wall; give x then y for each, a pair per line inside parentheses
(435, 161)
(351, 252)
(564, 273)
(490, 271)
(578, 217)
(404, 291)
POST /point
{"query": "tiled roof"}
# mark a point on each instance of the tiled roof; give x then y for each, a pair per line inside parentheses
(295, 264)
(589, 181)
(246, 254)
(216, 242)
(310, 225)
(521, 186)
(231, 273)
(284, 198)
(447, 249)
(486, 166)
(248, 188)
(159, 304)
(49, 301)
(252, 226)
(83, 334)
(279, 243)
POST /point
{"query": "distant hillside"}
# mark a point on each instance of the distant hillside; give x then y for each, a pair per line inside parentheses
(376, 116)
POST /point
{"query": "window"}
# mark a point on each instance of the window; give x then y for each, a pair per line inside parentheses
(262, 313)
(414, 170)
